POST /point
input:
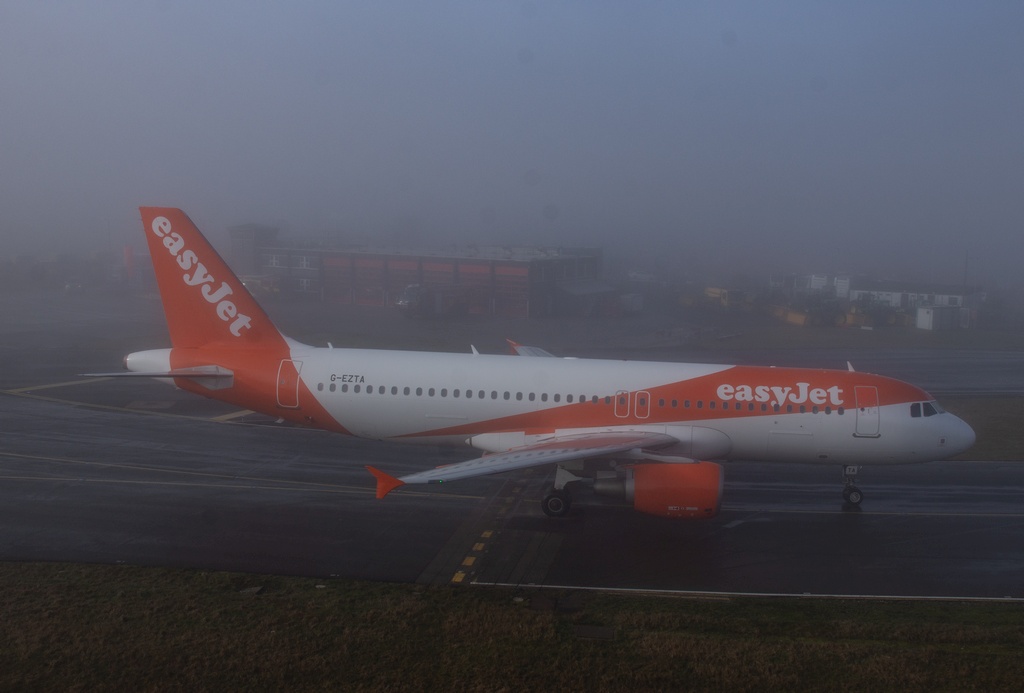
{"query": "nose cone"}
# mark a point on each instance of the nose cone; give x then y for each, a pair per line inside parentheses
(959, 436)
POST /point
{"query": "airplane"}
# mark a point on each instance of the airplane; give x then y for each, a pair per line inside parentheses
(651, 433)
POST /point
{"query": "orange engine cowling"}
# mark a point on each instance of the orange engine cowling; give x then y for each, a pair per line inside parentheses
(688, 491)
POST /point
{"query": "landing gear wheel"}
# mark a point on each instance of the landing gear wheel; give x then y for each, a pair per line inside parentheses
(556, 503)
(851, 494)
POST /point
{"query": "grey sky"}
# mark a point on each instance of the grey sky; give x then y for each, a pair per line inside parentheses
(705, 136)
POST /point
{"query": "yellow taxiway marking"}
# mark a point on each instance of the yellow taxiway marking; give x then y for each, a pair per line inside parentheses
(250, 481)
(30, 393)
(183, 484)
(25, 392)
(233, 415)
(458, 577)
(488, 534)
(69, 383)
(133, 407)
(479, 546)
(468, 561)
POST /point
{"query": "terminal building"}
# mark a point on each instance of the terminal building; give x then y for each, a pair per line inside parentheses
(502, 281)
(928, 306)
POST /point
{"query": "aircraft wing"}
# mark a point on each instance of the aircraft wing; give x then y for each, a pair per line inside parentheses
(561, 449)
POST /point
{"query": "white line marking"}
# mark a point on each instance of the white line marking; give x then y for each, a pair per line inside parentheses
(728, 595)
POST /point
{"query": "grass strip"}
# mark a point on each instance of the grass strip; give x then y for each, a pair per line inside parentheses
(76, 627)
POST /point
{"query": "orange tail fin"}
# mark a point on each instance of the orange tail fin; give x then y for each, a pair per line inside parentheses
(205, 303)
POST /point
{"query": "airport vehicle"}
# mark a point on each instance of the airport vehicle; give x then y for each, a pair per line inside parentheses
(652, 433)
(418, 301)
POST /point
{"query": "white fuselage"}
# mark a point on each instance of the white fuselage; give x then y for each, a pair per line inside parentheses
(499, 402)
(496, 403)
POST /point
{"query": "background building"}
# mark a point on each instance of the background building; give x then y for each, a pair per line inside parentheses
(511, 282)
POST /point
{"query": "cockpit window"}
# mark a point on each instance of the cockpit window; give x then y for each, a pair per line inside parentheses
(919, 409)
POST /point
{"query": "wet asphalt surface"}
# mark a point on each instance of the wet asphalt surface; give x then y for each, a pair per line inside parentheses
(133, 471)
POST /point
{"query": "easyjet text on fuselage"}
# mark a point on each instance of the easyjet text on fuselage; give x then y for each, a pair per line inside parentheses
(780, 395)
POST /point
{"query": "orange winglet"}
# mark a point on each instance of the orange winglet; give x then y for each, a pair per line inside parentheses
(385, 482)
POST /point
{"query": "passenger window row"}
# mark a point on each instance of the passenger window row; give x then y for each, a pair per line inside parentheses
(457, 393)
(570, 399)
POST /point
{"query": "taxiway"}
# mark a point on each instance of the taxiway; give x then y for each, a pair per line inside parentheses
(133, 471)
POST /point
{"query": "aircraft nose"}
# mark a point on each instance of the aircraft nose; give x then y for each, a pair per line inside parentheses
(959, 436)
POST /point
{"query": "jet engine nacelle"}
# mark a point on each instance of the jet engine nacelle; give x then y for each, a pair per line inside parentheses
(687, 491)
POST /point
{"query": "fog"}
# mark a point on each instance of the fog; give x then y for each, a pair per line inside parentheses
(685, 137)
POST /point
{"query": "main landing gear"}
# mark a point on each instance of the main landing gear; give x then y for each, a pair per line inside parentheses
(851, 494)
(558, 502)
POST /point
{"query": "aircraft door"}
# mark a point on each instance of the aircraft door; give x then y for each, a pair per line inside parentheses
(288, 384)
(867, 411)
(642, 406)
(622, 404)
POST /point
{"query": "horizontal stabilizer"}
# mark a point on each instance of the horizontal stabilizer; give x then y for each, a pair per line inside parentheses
(195, 372)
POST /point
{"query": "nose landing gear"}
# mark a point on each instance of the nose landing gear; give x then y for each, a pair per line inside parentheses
(851, 494)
